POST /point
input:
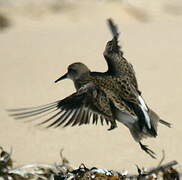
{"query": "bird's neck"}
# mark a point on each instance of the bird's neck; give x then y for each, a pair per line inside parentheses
(82, 80)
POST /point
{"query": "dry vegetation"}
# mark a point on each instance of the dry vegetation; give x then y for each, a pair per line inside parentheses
(63, 171)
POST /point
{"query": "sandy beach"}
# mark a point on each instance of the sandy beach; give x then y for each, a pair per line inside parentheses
(39, 45)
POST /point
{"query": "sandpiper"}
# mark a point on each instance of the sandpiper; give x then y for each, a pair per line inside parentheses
(107, 98)
(110, 96)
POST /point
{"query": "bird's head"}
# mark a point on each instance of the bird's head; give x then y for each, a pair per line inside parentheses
(75, 72)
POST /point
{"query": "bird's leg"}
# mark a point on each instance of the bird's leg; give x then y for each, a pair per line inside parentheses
(147, 150)
(113, 125)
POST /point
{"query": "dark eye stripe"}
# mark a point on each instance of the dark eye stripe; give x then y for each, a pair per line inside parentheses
(72, 70)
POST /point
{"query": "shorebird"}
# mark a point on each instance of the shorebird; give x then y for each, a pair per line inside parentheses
(107, 98)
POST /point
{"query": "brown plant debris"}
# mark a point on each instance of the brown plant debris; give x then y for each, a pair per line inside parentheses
(63, 171)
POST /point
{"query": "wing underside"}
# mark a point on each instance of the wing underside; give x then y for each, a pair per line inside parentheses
(71, 111)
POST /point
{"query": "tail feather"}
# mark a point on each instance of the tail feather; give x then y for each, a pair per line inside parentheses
(139, 134)
(154, 119)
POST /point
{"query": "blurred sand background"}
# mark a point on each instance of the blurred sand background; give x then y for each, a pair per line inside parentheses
(43, 37)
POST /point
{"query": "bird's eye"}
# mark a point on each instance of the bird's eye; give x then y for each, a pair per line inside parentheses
(72, 70)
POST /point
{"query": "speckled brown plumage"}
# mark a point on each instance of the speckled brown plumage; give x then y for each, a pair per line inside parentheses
(117, 64)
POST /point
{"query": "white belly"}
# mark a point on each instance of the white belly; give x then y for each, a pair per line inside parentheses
(125, 118)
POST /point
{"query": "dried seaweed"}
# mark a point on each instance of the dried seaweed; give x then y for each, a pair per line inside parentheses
(63, 171)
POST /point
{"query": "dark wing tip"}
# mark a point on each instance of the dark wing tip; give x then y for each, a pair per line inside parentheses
(113, 27)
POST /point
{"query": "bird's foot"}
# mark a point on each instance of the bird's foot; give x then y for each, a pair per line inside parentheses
(147, 150)
(113, 126)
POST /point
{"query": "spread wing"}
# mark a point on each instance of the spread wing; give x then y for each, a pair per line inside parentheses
(117, 64)
(82, 107)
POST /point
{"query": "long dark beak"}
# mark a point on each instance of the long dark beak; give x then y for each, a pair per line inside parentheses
(62, 77)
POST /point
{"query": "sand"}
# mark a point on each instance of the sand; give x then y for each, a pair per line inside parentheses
(37, 49)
